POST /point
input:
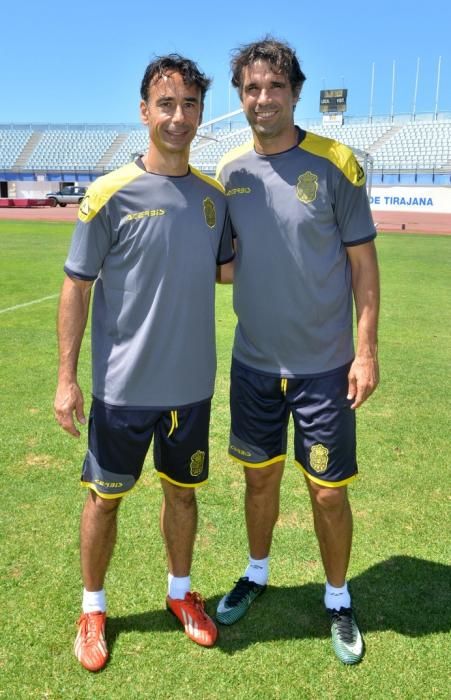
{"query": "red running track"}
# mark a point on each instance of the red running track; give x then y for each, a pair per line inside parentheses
(412, 222)
(403, 222)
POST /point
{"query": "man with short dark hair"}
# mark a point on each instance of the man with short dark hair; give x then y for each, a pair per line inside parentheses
(304, 247)
(150, 235)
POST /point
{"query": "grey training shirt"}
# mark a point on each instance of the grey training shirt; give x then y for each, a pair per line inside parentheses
(152, 244)
(293, 214)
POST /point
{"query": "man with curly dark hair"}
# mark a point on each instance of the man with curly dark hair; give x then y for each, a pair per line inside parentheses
(304, 247)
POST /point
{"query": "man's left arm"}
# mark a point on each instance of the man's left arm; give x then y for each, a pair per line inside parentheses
(364, 372)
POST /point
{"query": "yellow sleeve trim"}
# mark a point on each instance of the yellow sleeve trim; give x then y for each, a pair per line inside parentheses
(321, 482)
(106, 496)
(234, 153)
(104, 188)
(177, 483)
(337, 153)
(206, 178)
(274, 460)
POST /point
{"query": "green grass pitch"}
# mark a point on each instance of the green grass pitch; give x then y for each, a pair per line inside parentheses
(399, 574)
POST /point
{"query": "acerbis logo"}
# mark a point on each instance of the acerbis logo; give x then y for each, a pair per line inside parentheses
(238, 190)
(109, 484)
(84, 206)
(241, 452)
(360, 172)
(145, 213)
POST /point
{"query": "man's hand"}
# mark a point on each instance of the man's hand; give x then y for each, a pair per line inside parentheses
(363, 378)
(69, 399)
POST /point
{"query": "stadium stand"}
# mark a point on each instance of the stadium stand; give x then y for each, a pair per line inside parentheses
(363, 136)
(70, 148)
(205, 157)
(12, 143)
(135, 142)
(421, 146)
(401, 149)
(407, 150)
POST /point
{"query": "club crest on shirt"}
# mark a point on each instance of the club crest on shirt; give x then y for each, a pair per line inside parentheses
(209, 212)
(197, 463)
(307, 187)
(319, 458)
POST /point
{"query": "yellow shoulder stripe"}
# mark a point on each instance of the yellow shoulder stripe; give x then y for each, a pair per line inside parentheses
(206, 178)
(234, 153)
(338, 154)
(104, 188)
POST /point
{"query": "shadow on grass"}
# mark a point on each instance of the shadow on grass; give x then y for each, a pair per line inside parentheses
(403, 594)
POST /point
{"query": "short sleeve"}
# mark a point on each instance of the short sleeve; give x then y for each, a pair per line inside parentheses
(91, 242)
(351, 205)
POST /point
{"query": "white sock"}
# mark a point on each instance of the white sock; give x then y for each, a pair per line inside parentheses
(336, 598)
(178, 586)
(258, 570)
(93, 601)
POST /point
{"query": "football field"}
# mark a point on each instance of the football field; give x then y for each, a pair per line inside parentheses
(400, 568)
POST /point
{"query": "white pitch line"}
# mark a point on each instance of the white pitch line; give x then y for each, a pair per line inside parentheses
(28, 303)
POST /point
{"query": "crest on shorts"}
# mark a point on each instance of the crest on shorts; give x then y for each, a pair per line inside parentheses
(319, 458)
(307, 187)
(209, 212)
(197, 463)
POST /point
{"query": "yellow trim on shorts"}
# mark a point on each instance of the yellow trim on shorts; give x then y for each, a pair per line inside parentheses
(174, 423)
(106, 496)
(321, 482)
(177, 483)
(280, 458)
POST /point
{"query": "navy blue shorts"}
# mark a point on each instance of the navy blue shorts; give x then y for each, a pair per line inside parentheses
(119, 439)
(324, 424)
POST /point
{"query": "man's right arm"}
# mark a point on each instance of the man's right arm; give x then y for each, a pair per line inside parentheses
(72, 318)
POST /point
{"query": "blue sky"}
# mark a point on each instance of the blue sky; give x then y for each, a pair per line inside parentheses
(83, 61)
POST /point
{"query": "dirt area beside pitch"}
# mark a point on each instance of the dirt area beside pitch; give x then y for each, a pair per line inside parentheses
(394, 222)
